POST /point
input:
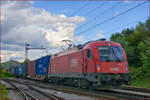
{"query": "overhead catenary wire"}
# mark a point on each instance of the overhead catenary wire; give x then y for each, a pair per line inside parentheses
(86, 4)
(104, 21)
(126, 24)
(101, 14)
(94, 9)
(135, 21)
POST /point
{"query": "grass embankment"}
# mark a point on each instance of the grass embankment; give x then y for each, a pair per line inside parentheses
(3, 92)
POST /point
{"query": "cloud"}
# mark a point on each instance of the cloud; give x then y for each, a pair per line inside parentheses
(12, 55)
(79, 40)
(11, 47)
(127, 1)
(100, 34)
(22, 23)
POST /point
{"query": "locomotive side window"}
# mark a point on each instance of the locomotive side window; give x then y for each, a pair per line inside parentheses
(110, 53)
(89, 53)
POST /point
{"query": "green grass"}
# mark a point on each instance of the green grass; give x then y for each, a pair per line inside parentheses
(3, 92)
(6, 75)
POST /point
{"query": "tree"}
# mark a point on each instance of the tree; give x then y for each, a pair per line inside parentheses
(26, 61)
(136, 43)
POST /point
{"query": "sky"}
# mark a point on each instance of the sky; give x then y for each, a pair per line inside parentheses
(47, 23)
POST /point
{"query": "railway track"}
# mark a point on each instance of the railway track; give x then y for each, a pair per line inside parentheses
(127, 94)
(113, 94)
(28, 95)
(146, 90)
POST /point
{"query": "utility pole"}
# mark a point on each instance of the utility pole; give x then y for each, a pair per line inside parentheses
(26, 53)
(29, 48)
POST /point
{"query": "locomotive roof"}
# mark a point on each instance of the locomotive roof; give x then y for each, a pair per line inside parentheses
(94, 43)
(68, 51)
(84, 46)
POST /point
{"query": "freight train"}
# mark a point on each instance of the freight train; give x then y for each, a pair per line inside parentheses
(96, 64)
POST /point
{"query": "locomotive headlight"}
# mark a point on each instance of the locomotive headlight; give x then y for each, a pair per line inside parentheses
(98, 67)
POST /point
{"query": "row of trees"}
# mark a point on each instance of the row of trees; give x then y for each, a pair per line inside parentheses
(136, 43)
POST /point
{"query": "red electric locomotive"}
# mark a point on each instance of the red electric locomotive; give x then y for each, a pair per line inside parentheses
(96, 64)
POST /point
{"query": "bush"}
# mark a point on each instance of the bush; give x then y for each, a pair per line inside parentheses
(6, 75)
(140, 77)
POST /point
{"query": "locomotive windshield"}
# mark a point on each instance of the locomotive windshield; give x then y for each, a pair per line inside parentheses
(110, 53)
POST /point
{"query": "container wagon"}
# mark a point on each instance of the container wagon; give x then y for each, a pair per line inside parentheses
(17, 71)
(12, 71)
(41, 67)
(31, 69)
(24, 70)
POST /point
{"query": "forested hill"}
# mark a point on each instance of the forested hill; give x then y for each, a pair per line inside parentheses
(136, 43)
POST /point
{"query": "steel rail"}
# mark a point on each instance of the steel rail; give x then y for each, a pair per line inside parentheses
(128, 93)
(33, 98)
(115, 92)
(53, 97)
(23, 93)
(105, 93)
(145, 90)
(47, 94)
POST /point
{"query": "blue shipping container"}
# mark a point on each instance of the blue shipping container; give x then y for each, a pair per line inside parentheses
(24, 70)
(17, 70)
(41, 65)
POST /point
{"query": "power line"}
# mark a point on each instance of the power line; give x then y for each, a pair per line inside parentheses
(92, 10)
(126, 24)
(99, 15)
(112, 18)
(80, 9)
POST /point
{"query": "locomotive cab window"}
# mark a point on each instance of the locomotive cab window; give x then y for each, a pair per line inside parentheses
(89, 53)
(110, 54)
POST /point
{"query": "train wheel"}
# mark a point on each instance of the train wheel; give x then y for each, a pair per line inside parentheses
(84, 84)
